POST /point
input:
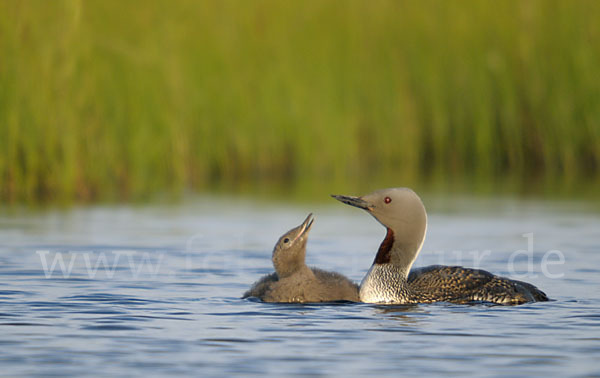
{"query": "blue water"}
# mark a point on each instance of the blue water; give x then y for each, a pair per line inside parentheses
(155, 290)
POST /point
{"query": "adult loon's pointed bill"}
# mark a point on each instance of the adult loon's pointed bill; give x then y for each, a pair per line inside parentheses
(390, 278)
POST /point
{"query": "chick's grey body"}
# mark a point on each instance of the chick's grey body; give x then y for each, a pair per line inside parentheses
(391, 279)
(293, 281)
(323, 286)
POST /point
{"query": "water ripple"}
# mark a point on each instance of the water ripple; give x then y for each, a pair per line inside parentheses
(187, 318)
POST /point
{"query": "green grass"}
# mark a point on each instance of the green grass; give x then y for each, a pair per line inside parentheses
(122, 100)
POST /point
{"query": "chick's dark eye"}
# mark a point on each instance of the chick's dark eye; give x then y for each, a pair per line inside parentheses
(387, 200)
(286, 240)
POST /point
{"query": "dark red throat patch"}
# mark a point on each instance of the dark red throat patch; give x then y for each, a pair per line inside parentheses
(383, 254)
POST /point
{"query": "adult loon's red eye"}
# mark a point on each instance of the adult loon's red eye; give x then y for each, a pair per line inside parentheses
(387, 200)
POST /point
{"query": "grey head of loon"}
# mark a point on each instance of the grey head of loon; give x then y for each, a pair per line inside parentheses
(289, 253)
(403, 214)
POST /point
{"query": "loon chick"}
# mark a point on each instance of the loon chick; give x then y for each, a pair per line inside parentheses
(293, 281)
(388, 280)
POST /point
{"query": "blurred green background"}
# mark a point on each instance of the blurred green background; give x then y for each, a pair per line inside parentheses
(130, 100)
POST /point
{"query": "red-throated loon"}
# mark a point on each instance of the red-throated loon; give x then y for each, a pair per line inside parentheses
(391, 280)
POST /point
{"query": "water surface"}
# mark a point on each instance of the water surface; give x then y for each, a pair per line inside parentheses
(156, 291)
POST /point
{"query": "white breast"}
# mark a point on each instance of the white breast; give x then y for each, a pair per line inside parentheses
(381, 285)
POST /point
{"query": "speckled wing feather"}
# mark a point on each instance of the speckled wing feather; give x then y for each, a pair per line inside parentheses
(446, 283)
(460, 285)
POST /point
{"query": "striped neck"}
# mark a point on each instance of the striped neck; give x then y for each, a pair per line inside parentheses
(386, 280)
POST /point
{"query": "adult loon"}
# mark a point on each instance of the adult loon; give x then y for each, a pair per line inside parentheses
(390, 278)
(293, 281)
